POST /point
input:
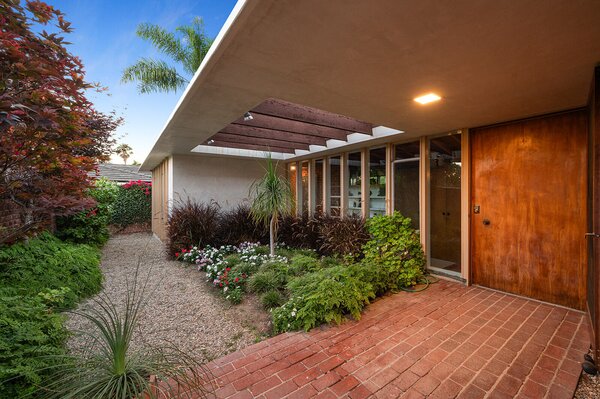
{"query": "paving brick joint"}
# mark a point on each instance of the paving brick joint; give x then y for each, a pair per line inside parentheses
(448, 341)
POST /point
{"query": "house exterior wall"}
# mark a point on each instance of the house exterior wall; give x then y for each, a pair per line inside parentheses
(224, 180)
(160, 198)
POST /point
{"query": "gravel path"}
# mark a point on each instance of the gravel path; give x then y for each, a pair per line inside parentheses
(182, 308)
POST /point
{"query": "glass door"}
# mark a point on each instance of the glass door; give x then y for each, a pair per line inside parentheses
(444, 204)
(406, 181)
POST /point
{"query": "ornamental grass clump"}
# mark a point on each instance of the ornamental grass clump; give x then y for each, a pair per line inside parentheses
(109, 367)
(192, 224)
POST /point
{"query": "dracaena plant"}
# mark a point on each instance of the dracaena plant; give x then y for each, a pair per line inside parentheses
(271, 198)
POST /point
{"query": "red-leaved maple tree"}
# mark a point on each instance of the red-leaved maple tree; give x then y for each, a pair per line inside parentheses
(50, 134)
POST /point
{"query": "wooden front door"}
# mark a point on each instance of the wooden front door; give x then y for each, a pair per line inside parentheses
(528, 207)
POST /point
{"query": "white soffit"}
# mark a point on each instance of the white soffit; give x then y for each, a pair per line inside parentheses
(490, 61)
(238, 152)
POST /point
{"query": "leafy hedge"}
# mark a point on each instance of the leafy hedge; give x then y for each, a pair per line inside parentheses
(394, 251)
(133, 204)
(37, 278)
(91, 225)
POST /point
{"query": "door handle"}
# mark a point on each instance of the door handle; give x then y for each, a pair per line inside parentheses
(486, 222)
(593, 235)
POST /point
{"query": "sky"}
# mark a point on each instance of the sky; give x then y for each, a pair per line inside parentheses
(104, 38)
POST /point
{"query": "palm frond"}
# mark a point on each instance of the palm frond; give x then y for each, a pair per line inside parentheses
(164, 41)
(198, 44)
(154, 76)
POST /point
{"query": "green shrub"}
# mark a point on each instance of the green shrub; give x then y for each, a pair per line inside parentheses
(48, 263)
(91, 225)
(30, 333)
(300, 264)
(272, 299)
(234, 295)
(246, 268)
(133, 204)
(396, 250)
(322, 297)
(263, 282)
(37, 277)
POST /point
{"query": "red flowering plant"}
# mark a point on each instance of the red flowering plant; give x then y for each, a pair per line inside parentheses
(232, 282)
(144, 186)
(133, 204)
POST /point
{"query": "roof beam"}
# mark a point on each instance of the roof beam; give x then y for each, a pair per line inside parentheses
(234, 138)
(256, 147)
(284, 109)
(293, 126)
(252, 131)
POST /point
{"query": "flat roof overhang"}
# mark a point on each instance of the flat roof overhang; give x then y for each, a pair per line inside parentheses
(490, 61)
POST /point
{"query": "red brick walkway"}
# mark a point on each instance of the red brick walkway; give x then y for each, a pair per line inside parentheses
(448, 341)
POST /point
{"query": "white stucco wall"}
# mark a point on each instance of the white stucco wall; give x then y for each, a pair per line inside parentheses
(225, 180)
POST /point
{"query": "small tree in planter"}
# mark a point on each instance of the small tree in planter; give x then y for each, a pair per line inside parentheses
(272, 198)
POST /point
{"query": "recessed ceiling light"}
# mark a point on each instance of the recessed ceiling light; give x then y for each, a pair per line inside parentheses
(427, 98)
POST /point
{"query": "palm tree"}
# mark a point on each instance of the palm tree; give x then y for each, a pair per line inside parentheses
(124, 151)
(187, 46)
(272, 198)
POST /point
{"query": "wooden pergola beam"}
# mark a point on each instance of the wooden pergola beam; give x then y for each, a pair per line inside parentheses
(255, 147)
(234, 139)
(252, 131)
(293, 126)
(284, 109)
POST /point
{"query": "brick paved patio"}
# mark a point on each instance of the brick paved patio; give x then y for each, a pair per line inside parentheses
(449, 341)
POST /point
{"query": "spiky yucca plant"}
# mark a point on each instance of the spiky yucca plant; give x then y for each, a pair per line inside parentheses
(271, 197)
(108, 367)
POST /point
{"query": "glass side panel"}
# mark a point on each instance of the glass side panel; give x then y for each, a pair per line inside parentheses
(335, 189)
(444, 228)
(304, 187)
(406, 181)
(377, 181)
(292, 179)
(354, 183)
(318, 185)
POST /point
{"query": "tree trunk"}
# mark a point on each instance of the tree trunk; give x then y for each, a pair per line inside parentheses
(272, 235)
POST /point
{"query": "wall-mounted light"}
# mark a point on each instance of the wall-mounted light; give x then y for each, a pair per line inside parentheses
(248, 117)
(427, 98)
(293, 167)
(210, 142)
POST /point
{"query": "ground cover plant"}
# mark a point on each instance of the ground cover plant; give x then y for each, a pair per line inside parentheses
(301, 287)
(38, 279)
